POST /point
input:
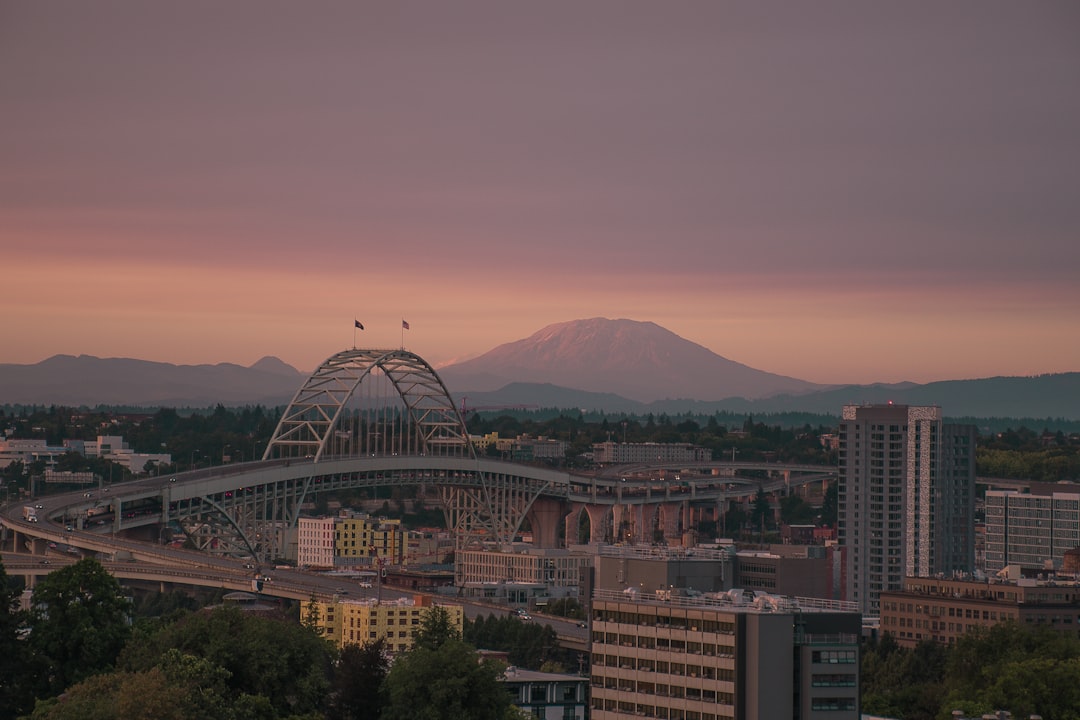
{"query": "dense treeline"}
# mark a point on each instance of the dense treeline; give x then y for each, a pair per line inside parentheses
(217, 435)
(1025, 670)
(529, 644)
(77, 656)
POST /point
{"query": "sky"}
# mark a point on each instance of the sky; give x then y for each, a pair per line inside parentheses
(842, 192)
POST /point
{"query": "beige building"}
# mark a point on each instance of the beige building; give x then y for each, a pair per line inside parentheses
(360, 539)
(943, 610)
(315, 542)
(1032, 529)
(349, 622)
(618, 453)
(655, 655)
(521, 576)
(354, 539)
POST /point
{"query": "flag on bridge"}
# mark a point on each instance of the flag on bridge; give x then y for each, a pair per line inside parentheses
(404, 325)
(358, 324)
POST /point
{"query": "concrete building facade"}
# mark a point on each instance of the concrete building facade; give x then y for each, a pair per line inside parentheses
(793, 570)
(905, 496)
(943, 609)
(661, 656)
(523, 576)
(647, 568)
(618, 453)
(355, 539)
(1033, 529)
(315, 542)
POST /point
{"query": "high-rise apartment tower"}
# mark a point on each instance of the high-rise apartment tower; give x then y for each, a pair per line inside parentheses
(906, 498)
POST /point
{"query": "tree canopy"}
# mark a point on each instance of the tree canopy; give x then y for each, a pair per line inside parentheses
(80, 622)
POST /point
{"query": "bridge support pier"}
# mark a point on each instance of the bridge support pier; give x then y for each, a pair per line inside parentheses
(601, 519)
(544, 517)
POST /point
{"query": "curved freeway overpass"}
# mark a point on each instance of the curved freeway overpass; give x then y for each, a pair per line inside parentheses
(248, 509)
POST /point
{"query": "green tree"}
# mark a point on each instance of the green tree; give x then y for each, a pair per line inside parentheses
(447, 682)
(15, 692)
(357, 687)
(828, 512)
(436, 629)
(272, 657)
(761, 511)
(80, 622)
(796, 511)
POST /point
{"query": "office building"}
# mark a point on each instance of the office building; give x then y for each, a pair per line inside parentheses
(657, 567)
(1033, 529)
(619, 453)
(944, 609)
(524, 576)
(906, 498)
(718, 657)
(792, 570)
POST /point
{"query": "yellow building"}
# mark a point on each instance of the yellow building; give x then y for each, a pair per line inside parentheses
(355, 622)
(359, 535)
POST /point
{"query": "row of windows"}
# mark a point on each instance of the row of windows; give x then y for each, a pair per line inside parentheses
(835, 657)
(663, 713)
(832, 704)
(833, 680)
(690, 647)
(664, 667)
(647, 620)
(674, 691)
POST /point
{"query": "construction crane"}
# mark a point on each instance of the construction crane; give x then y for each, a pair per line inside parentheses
(465, 409)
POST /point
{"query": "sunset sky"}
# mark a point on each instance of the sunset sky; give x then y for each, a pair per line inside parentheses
(841, 192)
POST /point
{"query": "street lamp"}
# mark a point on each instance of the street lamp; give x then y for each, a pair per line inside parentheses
(191, 463)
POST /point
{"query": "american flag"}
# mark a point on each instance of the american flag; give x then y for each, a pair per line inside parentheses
(404, 325)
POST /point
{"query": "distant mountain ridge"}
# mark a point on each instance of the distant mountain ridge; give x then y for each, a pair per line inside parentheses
(1044, 396)
(617, 366)
(88, 380)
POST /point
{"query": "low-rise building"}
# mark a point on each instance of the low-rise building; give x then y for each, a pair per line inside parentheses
(522, 576)
(361, 621)
(548, 696)
(658, 567)
(796, 570)
(613, 453)
(349, 539)
(315, 546)
(723, 657)
(943, 609)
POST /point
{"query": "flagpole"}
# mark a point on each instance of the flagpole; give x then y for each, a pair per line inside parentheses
(403, 333)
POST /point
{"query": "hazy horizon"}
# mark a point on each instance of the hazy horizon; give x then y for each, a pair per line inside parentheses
(837, 192)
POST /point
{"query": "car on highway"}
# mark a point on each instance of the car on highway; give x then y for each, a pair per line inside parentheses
(365, 584)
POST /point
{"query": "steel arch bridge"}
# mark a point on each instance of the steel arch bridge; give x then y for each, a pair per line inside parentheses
(382, 406)
(315, 423)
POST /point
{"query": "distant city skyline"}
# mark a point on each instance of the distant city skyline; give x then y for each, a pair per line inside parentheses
(842, 192)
